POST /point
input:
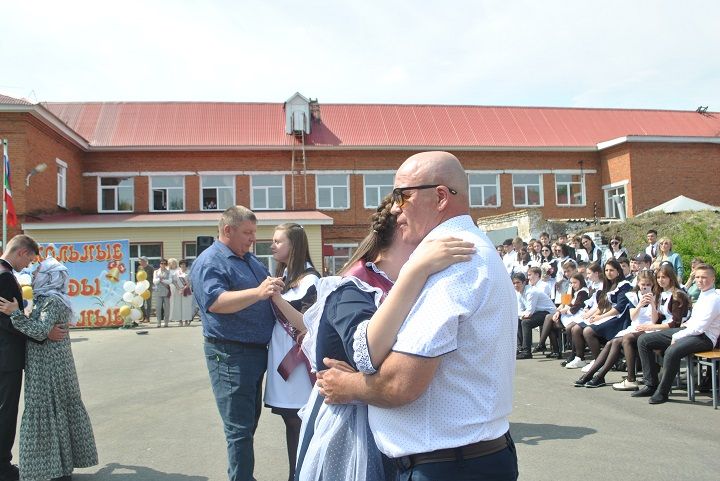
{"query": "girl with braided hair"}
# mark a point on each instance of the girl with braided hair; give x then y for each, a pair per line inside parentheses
(336, 442)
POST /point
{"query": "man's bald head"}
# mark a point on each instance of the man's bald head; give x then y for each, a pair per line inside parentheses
(437, 168)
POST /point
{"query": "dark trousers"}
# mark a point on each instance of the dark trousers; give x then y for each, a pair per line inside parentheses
(527, 325)
(500, 466)
(236, 374)
(647, 343)
(10, 385)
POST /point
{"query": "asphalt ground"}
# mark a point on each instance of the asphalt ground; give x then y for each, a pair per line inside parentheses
(155, 419)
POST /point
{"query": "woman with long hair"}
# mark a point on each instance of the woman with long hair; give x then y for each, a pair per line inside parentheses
(616, 250)
(289, 380)
(565, 316)
(336, 442)
(666, 254)
(55, 433)
(594, 253)
(643, 313)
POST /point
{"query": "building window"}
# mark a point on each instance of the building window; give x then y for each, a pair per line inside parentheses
(527, 190)
(189, 252)
(167, 193)
(61, 183)
(268, 192)
(218, 192)
(153, 252)
(570, 189)
(333, 191)
(115, 194)
(264, 255)
(484, 190)
(341, 254)
(613, 197)
(377, 186)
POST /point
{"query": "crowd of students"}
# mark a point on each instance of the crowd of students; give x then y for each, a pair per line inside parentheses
(607, 302)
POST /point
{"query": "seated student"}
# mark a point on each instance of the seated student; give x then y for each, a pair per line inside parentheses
(567, 315)
(534, 306)
(640, 262)
(672, 307)
(666, 254)
(545, 239)
(594, 254)
(643, 298)
(627, 270)
(594, 277)
(616, 250)
(562, 259)
(690, 287)
(563, 240)
(581, 254)
(535, 248)
(606, 325)
(697, 334)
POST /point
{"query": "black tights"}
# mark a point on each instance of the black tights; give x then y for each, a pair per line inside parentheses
(629, 344)
(606, 359)
(551, 329)
(292, 438)
(592, 340)
(576, 333)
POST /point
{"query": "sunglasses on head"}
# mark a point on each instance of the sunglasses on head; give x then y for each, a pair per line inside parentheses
(399, 196)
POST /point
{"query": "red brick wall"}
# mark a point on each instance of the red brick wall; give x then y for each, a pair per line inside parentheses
(616, 168)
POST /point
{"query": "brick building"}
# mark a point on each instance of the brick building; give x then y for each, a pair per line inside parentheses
(158, 173)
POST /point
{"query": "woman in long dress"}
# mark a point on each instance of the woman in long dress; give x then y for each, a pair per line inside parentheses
(55, 433)
(181, 307)
(336, 441)
(289, 381)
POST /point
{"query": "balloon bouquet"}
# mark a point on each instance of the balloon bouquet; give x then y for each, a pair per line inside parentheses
(136, 293)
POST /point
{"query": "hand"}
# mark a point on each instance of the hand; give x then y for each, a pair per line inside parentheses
(8, 307)
(434, 255)
(270, 286)
(58, 332)
(332, 382)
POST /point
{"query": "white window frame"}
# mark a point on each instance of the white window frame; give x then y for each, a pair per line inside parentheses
(266, 190)
(61, 183)
(482, 190)
(203, 177)
(608, 192)
(540, 185)
(272, 264)
(151, 196)
(152, 260)
(101, 188)
(568, 184)
(380, 189)
(336, 267)
(332, 188)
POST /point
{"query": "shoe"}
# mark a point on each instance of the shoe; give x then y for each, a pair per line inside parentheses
(581, 382)
(658, 398)
(553, 354)
(596, 382)
(523, 355)
(625, 385)
(135, 324)
(588, 366)
(575, 363)
(10, 473)
(539, 348)
(646, 391)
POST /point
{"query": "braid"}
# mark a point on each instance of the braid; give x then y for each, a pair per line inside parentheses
(382, 222)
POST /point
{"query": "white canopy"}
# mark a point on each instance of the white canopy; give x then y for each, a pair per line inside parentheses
(682, 204)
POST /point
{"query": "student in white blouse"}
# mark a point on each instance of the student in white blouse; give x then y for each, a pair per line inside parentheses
(452, 366)
(697, 334)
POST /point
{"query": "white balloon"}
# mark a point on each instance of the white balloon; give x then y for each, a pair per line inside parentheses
(128, 297)
(135, 314)
(129, 286)
(140, 288)
(137, 301)
(146, 284)
(24, 279)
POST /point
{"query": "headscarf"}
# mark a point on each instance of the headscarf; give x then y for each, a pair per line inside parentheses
(51, 279)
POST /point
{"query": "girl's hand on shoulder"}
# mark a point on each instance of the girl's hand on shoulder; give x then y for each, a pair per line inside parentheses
(435, 255)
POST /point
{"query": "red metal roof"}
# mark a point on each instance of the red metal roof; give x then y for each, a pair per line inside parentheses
(248, 125)
(4, 99)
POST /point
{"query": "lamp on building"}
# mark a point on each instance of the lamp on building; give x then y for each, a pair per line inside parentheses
(42, 167)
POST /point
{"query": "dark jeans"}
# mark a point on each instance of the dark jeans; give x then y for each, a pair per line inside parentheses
(500, 466)
(10, 384)
(236, 374)
(536, 319)
(647, 343)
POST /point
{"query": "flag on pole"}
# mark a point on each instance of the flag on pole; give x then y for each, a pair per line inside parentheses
(9, 206)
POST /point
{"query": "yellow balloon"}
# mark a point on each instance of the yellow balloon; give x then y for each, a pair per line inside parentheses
(124, 311)
(146, 294)
(27, 292)
(141, 276)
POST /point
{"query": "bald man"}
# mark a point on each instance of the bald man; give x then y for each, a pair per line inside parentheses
(439, 403)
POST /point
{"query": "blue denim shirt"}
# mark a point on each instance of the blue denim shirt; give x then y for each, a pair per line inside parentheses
(219, 270)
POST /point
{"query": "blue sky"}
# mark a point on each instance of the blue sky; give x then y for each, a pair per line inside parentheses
(628, 54)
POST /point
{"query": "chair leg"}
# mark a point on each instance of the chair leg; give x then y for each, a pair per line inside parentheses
(714, 374)
(691, 378)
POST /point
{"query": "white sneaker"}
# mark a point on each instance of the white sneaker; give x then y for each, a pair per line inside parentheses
(625, 385)
(588, 366)
(575, 363)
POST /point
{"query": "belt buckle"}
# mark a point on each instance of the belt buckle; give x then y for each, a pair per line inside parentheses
(404, 462)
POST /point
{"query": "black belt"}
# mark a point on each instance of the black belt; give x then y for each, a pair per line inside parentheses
(471, 451)
(249, 345)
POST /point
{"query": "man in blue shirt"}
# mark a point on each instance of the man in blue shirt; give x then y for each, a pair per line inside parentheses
(232, 289)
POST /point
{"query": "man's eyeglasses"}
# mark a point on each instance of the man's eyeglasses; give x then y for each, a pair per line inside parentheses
(399, 196)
